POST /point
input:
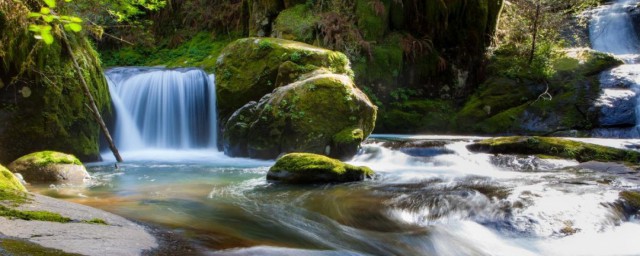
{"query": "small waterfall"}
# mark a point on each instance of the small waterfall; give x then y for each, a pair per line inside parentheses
(163, 109)
(611, 30)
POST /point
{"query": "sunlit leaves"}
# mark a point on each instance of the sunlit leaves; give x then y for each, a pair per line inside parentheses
(49, 19)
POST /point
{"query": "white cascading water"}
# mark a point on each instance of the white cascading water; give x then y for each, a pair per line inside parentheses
(163, 109)
(612, 31)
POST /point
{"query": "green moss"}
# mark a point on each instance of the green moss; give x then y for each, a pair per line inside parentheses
(296, 23)
(17, 247)
(385, 64)
(201, 51)
(247, 69)
(44, 158)
(55, 115)
(417, 116)
(312, 168)
(373, 19)
(9, 183)
(96, 221)
(349, 136)
(32, 215)
(558, 147)
(632, 198)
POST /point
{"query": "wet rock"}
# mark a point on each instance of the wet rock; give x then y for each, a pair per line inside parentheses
(50, 167)
(304, 168)
(617, 107)
(555, 147)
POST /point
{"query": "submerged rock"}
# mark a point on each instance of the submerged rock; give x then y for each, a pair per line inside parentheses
(305, 168)
(50, 167)
(555, 147)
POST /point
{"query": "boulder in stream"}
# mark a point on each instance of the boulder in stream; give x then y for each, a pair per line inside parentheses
(50, 167)
(305, 168)
(8, 182)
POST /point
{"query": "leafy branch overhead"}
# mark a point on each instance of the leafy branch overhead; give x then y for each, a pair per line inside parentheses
(49, 18)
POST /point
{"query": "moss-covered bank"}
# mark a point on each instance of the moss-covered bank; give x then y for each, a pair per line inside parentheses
(555, 147)
(42, 105)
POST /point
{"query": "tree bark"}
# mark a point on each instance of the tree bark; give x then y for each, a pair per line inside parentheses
(536, 20)
(92, 103)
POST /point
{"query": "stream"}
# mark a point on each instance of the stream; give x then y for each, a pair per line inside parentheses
(431, 196)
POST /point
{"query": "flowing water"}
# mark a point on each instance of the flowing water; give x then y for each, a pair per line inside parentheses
(612, 31)
(431, 196)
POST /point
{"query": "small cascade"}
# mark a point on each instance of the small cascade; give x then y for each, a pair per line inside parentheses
(611, 30)
(163, 109)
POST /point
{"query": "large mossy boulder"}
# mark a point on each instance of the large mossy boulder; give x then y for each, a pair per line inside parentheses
(50, 167)
(42, 105)
(9, 183)
(249, 68)
(323, 114)
(304, 168)
(555, 147)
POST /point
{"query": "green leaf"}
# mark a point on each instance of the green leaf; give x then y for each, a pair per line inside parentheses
(34, 28)
(75, 19)
(50, 3)
(47, 37)
(67, 1)
(45, 10)
(48, 18)
(46, 28)
(75, 27)
(34, 15)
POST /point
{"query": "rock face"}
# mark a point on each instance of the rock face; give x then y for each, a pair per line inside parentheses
(44, 108)
(8, 182)
(249, 68)
(50, 167)
(315, 107)
(303, 168)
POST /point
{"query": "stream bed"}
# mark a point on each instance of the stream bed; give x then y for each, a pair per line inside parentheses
(430, 197)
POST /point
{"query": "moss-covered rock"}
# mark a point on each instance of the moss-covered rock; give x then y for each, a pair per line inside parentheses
(249, 68)
(311, 115)
(296, 23)
(50, 167)
(556, 147)
(8, 182)
(42, 105)
(630, 200)
(303, 168)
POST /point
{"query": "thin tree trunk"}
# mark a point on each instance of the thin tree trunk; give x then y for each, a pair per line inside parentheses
(92, 103)
(536, 20)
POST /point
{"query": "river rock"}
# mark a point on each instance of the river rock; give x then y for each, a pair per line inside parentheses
(322, 114)
(304, 168)
(9, 182)
(556, 147)
(249, 68)
(50, 167)
(617, 107)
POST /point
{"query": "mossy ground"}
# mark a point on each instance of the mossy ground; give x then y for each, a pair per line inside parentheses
(557, 147)
(32, 215)
(15, 247)
(202, 51)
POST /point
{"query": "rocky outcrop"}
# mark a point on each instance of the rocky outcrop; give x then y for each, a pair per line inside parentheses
(302, 168)
(89, 231)
(287, 96)
(323, 114)
(50, 167)
(555, 147)
(42, 105)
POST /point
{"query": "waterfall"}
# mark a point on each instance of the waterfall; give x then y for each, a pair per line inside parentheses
(612, 31)
(163, 109)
